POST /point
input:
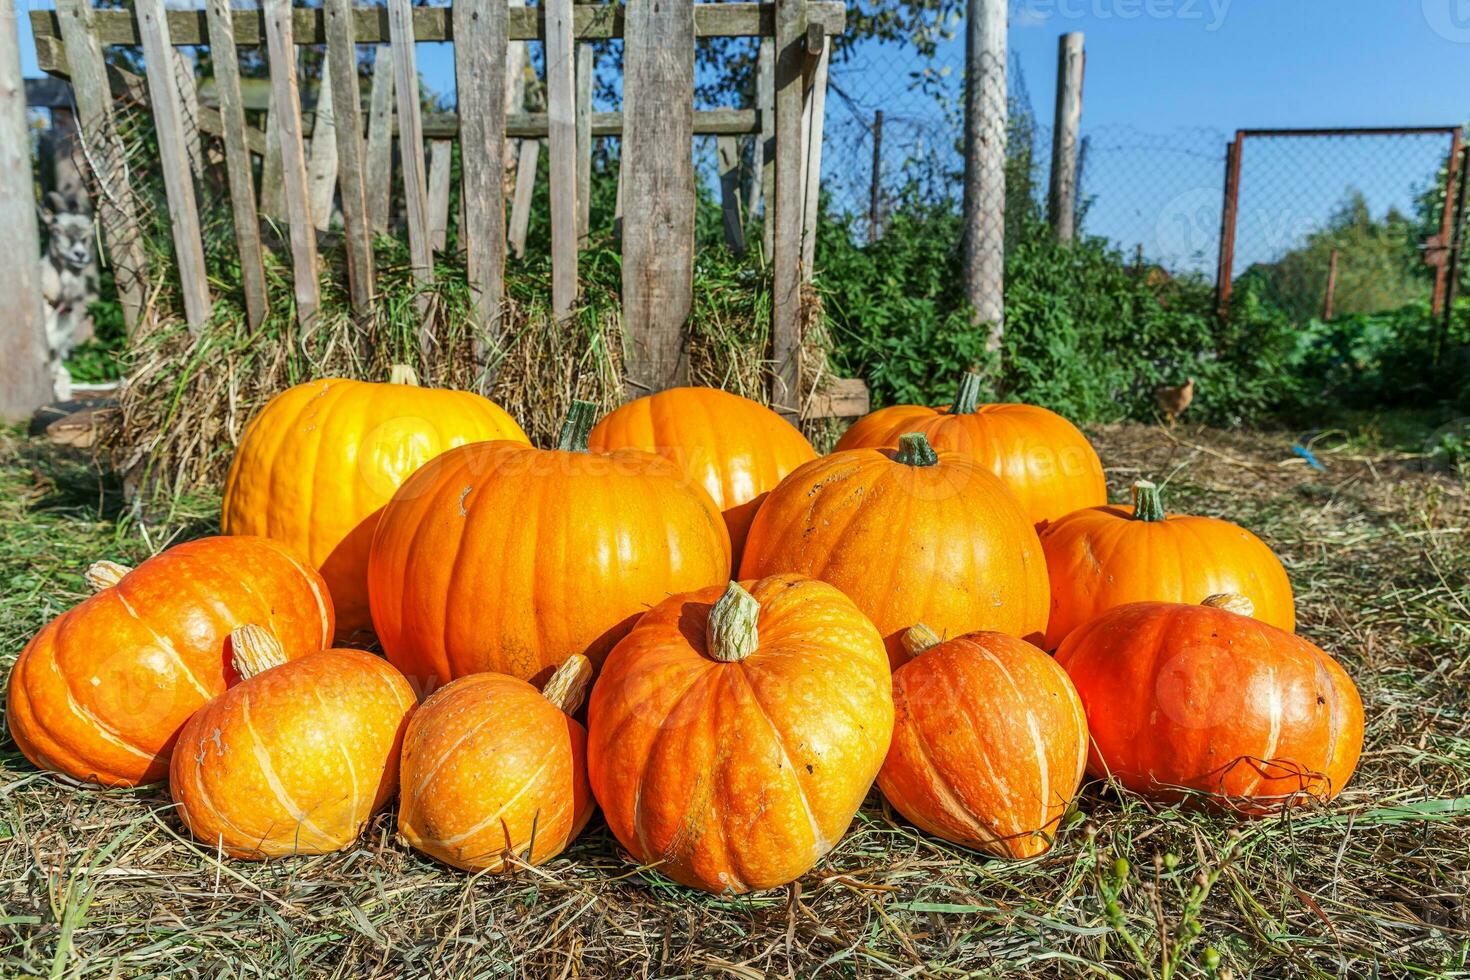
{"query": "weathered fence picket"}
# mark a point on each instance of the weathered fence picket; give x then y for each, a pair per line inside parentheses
(178, 175)
(286, 98)
(347, 113)
(479, 46)
(380, 141)
(238, 166)
(352, 147)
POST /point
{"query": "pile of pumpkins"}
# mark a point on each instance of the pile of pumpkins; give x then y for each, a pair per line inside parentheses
(889, 618)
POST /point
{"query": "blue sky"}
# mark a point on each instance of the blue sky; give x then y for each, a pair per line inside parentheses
(1169, 80)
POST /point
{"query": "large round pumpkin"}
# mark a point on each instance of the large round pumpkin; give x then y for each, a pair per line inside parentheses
(731, 738)
(499, 557)
(911, 536)
(491, 766)
(1044, 459)
(297, 757)
(989, 742)
(735, 448)
(1102, 557)
(1206, 698)
(101, 692)
(318, 463)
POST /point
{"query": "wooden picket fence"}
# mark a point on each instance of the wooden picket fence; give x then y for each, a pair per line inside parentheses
(349, 163)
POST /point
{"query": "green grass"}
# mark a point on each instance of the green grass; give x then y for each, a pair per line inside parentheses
(106, 883)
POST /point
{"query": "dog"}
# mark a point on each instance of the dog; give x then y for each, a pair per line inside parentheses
(68, 282)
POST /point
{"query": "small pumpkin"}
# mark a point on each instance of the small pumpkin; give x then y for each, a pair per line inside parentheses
(101, 692)
(735, 448)
(734, 733)
(297, 757)
(499, 557)
(492, 767)
(319, 461)
(909, 535)
(989, 742)
(1206, 698)
(1102, 557)
(1042, 458)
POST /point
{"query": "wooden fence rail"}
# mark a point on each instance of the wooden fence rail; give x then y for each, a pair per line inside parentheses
(345, 176)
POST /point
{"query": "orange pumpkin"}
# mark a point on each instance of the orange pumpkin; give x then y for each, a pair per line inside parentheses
(491, 767)
(1103, 557)
(1206, 698)
(911, 536)
(499, 557)
(731, 738)
(297, 757)
(317, 464)
(1044, 459)
(735, 448)
(101, 692)
(989, 742)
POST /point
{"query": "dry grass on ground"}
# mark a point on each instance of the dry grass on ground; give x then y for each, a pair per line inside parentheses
(103, 883)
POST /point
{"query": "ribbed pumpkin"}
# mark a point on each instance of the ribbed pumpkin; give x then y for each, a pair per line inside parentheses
(297, 757)
(499, 557)
(735, 448)
(731, 738)
(911, 536)
(1044, 459)
(101, 692)
(989, 742)
(491, 766)
(318, 463)
(1103, 557)
(1206, 698)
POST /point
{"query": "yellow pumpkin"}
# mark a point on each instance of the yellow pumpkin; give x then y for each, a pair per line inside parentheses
(318, 463)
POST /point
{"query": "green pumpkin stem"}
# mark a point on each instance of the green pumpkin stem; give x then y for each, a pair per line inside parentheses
(967, 398)
(402, 374)
(581, 417)
(914, 450)
(1148, 505)
(731, 634)
(568, 686)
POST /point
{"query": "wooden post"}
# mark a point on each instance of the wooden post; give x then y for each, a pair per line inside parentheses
(1331, 285)
(875, 191)
(728, 149)
(585, 71)
(784, 208)
(226, 61)
(178, 178)
(520, 212)
(411, 147)
(441, 155)
(815, 111)
(1225, 266)
(321, 168)
(1441, 269)
(286, 100)
(479, 47)
(658, 173)
(352, 179)
(561, 143)
(763, 182)
(25, 380)
(1061, 202)
(117, 208)
(985, 166)
(380, 142)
